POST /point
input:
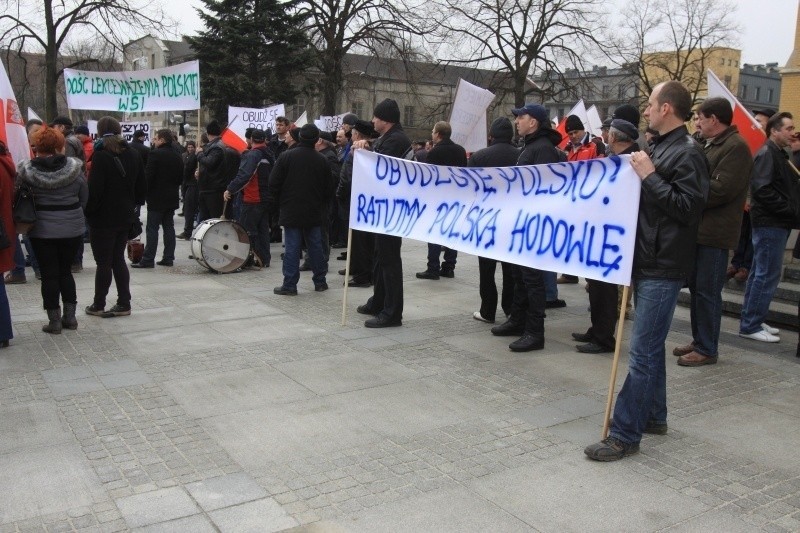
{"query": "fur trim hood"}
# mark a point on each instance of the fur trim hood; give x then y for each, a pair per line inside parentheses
(50, 172)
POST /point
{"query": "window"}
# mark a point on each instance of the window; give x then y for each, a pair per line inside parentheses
(730, 62)
(758, 93)
(621, 92)
(408, 116)
(770, 95)
(606, 91)
(743, 92)
(298, 108)
(722, 62)
(728, 81)
(358, 109)
(152, 61)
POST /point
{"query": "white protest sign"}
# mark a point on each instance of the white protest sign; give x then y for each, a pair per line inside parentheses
(127, 130)
(330, 123)
(241, 118)
(174, 88)
(302, 120)
(32, 115)
(577, 218)
(468, 117)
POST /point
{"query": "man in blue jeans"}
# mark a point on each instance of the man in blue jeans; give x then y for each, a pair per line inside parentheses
(674, 190)
(774, 211)
(731, 162)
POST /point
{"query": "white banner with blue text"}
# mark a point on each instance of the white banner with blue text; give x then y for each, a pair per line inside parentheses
(173, 88)
(575, 218)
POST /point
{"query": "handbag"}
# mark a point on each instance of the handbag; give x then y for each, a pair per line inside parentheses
(24, 210)
(135, 249)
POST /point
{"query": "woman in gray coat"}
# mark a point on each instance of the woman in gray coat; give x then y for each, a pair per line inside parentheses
(60, 194)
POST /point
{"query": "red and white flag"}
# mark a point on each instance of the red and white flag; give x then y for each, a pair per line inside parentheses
(749, 128)
(580, 111)
(12, 125)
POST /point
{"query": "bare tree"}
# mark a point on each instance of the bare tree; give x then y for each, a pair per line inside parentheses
(50, 25)
(519, 37)
(341, 26)
(672, 40)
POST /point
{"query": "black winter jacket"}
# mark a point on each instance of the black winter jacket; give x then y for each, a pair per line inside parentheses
(773, 190)
(446, 152)
(212, 167)
(164, 174)
(671, 204)
(300, 184)
(541, 147)
(497, 154)
(394, 143)
(112, 195)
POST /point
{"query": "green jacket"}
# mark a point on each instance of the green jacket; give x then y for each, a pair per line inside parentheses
(731, 164)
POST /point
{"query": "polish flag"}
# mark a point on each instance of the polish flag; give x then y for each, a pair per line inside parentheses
(233, 140)
(12, 125)
(749, 128)
(580, 110)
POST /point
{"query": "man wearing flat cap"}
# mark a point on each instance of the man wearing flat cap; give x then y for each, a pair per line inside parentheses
(386, 303)
(674, 188)
(526, 319)
(252, 180)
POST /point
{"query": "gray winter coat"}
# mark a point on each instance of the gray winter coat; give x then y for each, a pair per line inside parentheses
(60, 192)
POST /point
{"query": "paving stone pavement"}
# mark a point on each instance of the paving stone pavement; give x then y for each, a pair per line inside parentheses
(219, 406)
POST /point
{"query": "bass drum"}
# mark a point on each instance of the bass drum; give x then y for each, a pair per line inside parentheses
(220, 245)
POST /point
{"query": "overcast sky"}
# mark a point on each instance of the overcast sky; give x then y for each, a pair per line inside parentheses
(768, 26)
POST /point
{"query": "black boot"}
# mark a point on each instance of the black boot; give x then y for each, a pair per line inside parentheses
(54, 326)
(68, 320)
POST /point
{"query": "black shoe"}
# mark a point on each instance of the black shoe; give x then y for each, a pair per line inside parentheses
(164, 263)
(508, 329)
(183, 236)
(321, 287)
(305, 267)
(342, 272)
(593, 347)
(527, 343)
(342, 256)
(192, 257)
(365, 310)
(447, 273)
(142, 265)
(555, 304)
(284, 291)
(427, 275)
(117, 310)
(180, 214)
(359, 283)
(582, 337)
(610, 449)
(382, 322)
(94, 310)
(339, 245)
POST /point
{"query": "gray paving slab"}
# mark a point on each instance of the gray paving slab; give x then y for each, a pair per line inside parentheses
(125, 379)
(31, 424)
(225, 491)
(157, 506)
(194, 524)
(258, 516)
(43, 480)
(75, 386)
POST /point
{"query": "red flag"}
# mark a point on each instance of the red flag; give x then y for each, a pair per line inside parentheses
(233, 140)
(749, 128)
(562, 129)
(579, 110)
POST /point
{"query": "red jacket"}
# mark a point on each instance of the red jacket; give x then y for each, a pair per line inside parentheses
(7, 174)
(88, 150)
(586, 150)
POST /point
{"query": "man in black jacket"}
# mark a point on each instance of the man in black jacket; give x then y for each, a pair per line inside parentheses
(527, 311)
(189, 186)
(212, 179)
(444, 152)
(137, 143)
(252, 181)
(675, 186)
(499, 153)
(300, 185)
(163, 174)
(386, 302)
(774, 212)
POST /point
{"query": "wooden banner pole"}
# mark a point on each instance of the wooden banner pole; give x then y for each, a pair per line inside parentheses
(617, 348)
(347, 275)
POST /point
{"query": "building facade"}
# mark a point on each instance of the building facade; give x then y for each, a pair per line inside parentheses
(790, 77)
(759, 86)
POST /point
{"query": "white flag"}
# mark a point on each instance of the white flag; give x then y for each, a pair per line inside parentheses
(12, 125)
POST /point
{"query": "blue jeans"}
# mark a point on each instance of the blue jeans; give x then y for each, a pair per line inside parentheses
(255, 219)
(156, 220)
(449, 263)
(550, 286)
(706, 285)
(643, 396)
(19, 256)
(293, 240)
(768, 247)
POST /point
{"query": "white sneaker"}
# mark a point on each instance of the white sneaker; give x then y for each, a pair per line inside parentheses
(761, 336)
(769, 329)
(477, 316)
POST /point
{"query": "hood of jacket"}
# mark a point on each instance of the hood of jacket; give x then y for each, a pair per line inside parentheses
(50, 172)
(546, 133)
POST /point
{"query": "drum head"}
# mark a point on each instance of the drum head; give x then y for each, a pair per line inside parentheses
(223, 245)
